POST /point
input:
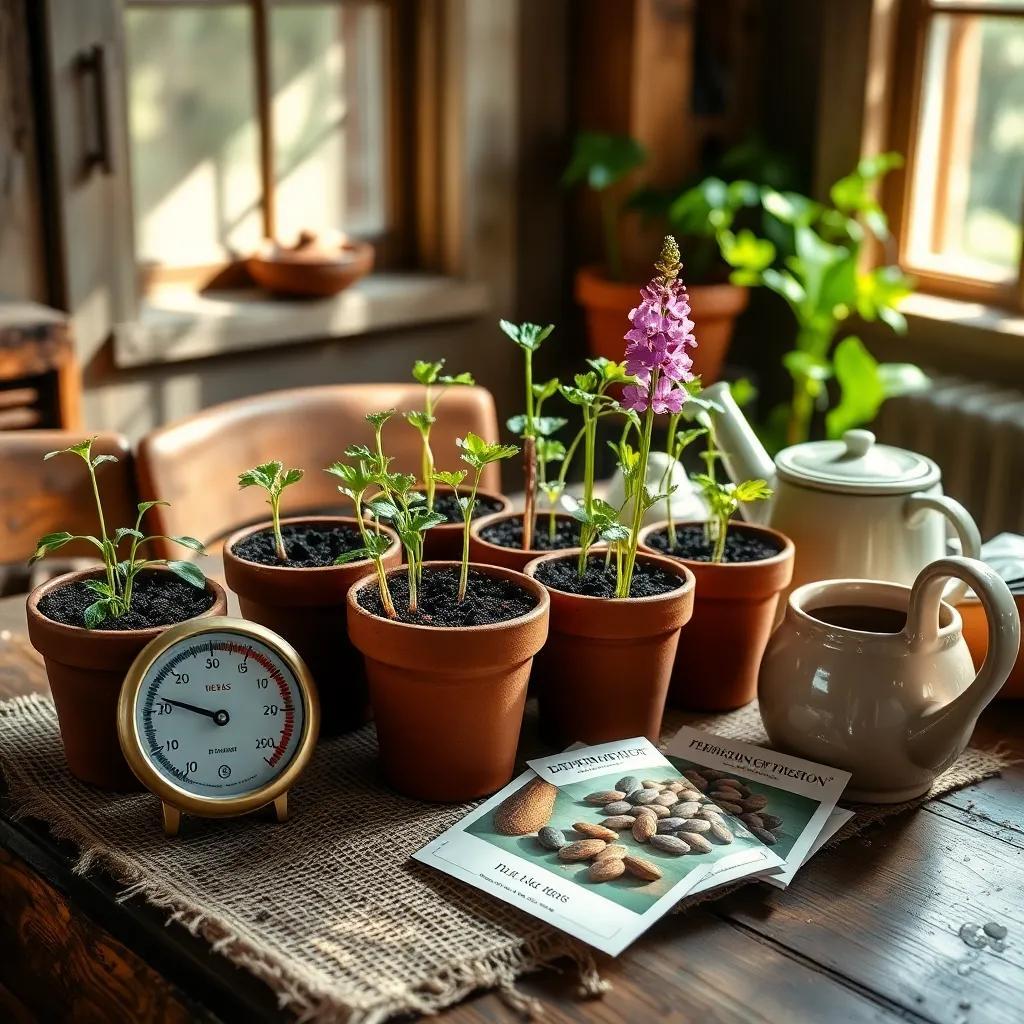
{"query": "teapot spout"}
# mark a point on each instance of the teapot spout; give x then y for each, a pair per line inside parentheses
(743, 454)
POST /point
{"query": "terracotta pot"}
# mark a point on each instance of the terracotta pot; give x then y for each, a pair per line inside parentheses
(605, 670)
(733, 616)
(444, 543)
(86, 668)
(307, 608)
(606, 303)
(448, 703)
(976, 635)
(484, 551)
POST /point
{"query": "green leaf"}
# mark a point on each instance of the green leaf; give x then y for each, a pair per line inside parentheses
(425, 372)
(422, 421)
(145, 506)
(807, 366)
(124, 531)
(189, 572)
(861, 389)
(479, 453)
(602, 159)
(82, 449)
(100, 459)
(746, 252)
(384, 509)
(189, 542)
(783, 283)
(421, 519)
(453, 478)
(378, 419)
(789, 207)
(100, 587)
(291, 476)
(902, 379)
(542, 392)
(96, 613)
(352, 556)
(526, 335)
(458, 380)
(753, 490)
(615, 533)
(550, 450)
(542, 425)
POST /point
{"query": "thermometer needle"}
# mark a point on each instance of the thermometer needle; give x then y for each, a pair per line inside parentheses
(220, 717)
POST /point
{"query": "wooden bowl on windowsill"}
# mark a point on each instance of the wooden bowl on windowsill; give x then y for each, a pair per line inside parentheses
(312, 268)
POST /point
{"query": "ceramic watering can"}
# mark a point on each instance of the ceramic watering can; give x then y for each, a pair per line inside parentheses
(876, 678)
(853, 508)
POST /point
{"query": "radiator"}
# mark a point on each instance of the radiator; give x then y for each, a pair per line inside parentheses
(975, 432)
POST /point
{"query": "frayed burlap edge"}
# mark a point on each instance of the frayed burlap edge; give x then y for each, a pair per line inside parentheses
(296, 991)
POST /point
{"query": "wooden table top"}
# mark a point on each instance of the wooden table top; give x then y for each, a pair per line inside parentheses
(867, 931)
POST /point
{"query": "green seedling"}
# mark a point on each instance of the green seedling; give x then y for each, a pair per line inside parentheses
(114, 594)
(436, 384)
(723, 500)
(273, 478)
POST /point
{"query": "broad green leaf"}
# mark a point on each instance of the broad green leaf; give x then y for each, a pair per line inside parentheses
(542, 392)
(188, 571)
(54, 542)
(100, 587)
(746, 252)
(453, 478)
(457, 380)
(601, 159)
(100, 459)
(421, 420)
(145, 506)
(753, 490)
(352, 556)
(384, 509)
(614, 533)
(124, 531)
(805, 365)
(783, 283)
(550, 450)
(425, 372)
(902, 379)
(96, 613)
(189, 542)
(291, 476)
(82, 449)
(861, 389)
(378, 419)
(421, 520)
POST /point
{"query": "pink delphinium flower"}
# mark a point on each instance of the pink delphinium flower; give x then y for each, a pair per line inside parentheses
(660, 336)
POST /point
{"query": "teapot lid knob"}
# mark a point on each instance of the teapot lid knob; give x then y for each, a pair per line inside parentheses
(858, 443)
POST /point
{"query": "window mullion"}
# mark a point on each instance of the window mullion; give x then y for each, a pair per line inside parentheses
(265, 110)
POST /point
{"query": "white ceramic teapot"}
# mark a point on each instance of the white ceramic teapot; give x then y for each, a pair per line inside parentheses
(854, 508)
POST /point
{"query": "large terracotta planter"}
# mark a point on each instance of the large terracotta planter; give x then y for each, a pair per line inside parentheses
(733, 617)
(604, 673)
(607, 303)
(484, 551)
(448, 703)
(86, 668)
(444, 543)
(976, 634)
(307, 608)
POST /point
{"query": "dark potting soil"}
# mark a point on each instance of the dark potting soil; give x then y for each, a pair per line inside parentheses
(508, 533)
(488, 599)
(158, 599)
(740, 546)
(648, 580)
(447, 504)
(307, 547)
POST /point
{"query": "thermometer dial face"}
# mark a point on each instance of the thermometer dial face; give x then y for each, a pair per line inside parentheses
(219, 715)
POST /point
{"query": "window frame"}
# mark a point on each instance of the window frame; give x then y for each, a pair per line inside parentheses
(915, 18)
(391, 250)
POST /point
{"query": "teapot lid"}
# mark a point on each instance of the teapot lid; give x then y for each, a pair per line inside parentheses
(857, 463)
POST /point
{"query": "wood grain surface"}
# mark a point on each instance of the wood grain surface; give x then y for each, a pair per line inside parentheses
(868, 932)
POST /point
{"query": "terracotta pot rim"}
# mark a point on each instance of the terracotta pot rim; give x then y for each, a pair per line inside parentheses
(246, 531)
(530, 585)
(73, 632)
(787, 552)
(479, 524)
(673, 565)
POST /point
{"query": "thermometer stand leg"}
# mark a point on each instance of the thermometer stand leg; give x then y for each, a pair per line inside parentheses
(172, 820)
(281, 807)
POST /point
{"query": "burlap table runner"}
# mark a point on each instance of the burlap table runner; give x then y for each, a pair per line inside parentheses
(328, 909)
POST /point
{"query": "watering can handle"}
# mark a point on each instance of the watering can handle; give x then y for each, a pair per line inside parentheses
(1003, 635)
(965, 527)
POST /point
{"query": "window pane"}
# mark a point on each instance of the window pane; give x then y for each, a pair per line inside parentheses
(193, 129)
(329, 118)
(968, 190)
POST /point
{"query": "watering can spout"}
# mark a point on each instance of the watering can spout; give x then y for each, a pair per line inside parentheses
(743, 454)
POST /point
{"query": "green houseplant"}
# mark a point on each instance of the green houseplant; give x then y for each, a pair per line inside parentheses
(287, 577)
(704, 215)
(448, 645)
(89, 626)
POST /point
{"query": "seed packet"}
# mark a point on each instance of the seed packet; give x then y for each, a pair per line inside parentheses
(784, 801)
(599, 841)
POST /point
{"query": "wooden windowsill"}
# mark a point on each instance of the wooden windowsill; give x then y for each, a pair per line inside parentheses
(963, 314)
(177, 324)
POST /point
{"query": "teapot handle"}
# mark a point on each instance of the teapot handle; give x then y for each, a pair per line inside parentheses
(964, 525)
(936, 727)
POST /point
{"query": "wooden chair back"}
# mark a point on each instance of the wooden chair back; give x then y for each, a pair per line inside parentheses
(38, 497)
(194, 463)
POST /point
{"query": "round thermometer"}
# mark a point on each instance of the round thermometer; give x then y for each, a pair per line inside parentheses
(217, 717)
